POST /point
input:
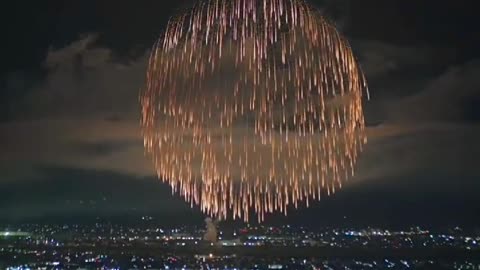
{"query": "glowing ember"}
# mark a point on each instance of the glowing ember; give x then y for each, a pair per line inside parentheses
(253, 105)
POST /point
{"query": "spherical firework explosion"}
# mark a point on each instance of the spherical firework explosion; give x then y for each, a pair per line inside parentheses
(253, 105)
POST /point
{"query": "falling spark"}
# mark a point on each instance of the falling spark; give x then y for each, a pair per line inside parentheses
(252, 106)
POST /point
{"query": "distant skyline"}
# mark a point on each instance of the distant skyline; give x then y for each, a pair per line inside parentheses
(69, 113)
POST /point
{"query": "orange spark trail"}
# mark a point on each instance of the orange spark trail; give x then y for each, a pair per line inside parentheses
(253, 105)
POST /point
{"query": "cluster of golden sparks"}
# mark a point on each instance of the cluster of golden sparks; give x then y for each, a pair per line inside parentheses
(252, 106)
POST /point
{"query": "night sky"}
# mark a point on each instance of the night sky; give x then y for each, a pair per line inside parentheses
(70, 142)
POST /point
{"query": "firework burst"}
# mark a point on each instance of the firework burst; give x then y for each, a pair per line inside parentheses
(253, 106)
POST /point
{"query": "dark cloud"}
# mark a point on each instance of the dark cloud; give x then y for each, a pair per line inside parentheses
(85, 80)
(64, 191)
(443, 98)
(435, 131)
(82, 114)
(447, 150)
(380, 59)
(105, 148)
